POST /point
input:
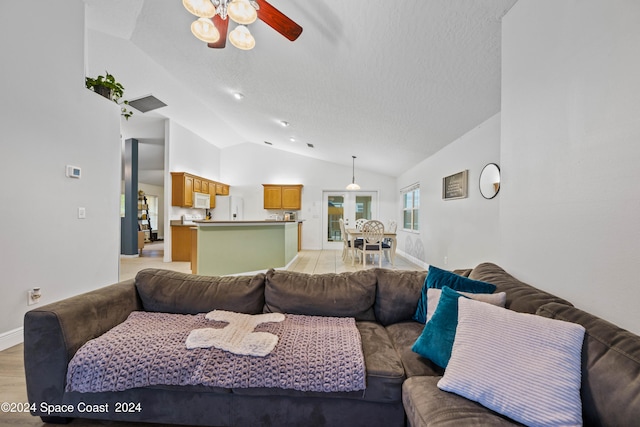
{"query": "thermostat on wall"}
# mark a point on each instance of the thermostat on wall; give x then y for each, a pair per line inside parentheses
(73, 171)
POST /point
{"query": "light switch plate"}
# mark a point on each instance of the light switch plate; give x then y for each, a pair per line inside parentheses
(82, 213)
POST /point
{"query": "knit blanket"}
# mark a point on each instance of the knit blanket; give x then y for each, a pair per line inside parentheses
(313, 353)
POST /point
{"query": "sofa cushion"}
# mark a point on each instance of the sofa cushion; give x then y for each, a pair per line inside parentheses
(426, 405)
(404, 335)
(438, 278)
(330, 294)
(397, 294)
(610, 368)
(524, 366)
(520, 296)
(173, 292)
(384, 371)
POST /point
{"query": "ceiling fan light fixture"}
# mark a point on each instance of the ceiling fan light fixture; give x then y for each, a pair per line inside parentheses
(241, 38)
(200, 8)
(204, 30)
(242, 12)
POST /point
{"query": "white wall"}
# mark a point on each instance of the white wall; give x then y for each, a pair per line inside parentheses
(48, 120)
(464, 231)
(570, 205)
(186, 152)
(247, 166)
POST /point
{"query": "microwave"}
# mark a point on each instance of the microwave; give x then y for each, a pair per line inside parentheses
(201, 201)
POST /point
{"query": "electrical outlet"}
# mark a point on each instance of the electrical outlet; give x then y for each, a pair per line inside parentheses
(33, 296)
(446, 260)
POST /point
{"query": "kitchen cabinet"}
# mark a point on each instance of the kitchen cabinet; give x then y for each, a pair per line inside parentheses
(222, 189)
(283, 196)
(181, 243)
(212, 195)
(181, 189)
(183, 185)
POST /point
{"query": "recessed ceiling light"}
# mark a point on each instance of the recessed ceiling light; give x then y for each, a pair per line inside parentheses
(292, 139)
(238, 95)
(284, 123)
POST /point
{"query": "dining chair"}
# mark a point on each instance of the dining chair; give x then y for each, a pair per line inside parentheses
(372, 240)
(392, 226)
(346, 247)
(360, 222)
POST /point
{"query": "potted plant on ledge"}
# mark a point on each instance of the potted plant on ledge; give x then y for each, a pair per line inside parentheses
(110, 88)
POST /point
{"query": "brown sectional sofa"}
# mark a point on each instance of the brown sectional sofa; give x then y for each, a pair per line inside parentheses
(401, 386)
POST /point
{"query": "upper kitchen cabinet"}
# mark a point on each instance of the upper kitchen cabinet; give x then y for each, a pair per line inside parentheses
(283, 196)
(182, 189)
(183, 185)
(222, 189)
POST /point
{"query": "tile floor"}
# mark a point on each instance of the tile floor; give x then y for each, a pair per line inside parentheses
(12, 382)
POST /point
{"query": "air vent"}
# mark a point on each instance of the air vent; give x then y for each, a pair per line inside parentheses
(309, 145)
(268, 143)
(147, 103)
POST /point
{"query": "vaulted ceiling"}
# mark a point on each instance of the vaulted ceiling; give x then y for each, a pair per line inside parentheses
(389, 82)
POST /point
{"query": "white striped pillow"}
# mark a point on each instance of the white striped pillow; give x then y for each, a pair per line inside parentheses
(520, 365)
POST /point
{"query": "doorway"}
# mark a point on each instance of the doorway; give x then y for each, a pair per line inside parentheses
(348, 205)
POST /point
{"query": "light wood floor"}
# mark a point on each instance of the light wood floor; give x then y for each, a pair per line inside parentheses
(12, 381)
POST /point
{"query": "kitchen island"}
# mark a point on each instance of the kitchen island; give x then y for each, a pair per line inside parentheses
(235, 247)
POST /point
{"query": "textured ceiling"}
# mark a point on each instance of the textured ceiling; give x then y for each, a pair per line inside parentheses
(389, 82)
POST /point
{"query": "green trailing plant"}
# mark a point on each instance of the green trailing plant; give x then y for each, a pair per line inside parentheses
(110, 88)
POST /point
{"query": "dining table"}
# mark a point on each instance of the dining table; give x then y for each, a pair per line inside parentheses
(354, 233)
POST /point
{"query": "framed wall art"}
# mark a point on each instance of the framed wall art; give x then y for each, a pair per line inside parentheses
(455, 186)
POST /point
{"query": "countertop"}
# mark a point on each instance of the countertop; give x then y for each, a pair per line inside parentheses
(257, 222)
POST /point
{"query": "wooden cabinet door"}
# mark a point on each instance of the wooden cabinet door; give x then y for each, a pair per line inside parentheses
(204, 188)
(212, 195)
(222, 189)
(197, 185)
(292, 197)
(272, 197)
(188, 190)
(180, 243)
(181, 189)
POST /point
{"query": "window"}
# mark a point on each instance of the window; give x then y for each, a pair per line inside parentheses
(411, 207)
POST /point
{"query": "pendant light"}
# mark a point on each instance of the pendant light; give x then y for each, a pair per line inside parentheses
(353, 185)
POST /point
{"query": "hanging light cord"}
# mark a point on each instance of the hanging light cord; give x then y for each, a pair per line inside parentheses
(353, 178)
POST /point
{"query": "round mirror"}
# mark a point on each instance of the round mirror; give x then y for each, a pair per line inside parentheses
(490, 181)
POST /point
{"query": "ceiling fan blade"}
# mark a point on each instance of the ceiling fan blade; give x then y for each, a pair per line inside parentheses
(278, 20)
(222, 25)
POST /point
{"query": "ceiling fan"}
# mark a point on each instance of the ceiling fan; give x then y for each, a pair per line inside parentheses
(212, 23)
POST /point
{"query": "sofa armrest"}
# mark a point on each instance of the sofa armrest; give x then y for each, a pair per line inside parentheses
(54, 333)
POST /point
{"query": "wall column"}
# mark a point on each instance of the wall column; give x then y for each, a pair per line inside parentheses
(129, 224)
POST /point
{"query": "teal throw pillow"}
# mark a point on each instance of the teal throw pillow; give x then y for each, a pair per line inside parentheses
(436, 341)
(438, 278)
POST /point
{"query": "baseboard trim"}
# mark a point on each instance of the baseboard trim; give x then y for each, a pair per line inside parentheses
(412, 259)
(11, 338)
